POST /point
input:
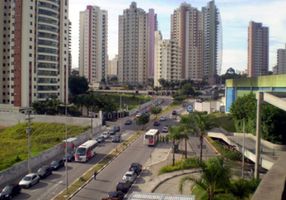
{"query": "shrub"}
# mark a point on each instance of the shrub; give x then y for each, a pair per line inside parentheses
(180, 165)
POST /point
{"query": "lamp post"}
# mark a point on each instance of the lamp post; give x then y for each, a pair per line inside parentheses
(91, 114)
(28, 112)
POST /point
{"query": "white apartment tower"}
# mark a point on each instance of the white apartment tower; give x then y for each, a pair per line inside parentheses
(93, 59)
(281, 61)
(34, 51)
(135, 45)
(112, 66)
(168, 60)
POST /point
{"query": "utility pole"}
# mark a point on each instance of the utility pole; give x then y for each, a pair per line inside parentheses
(91, 124)
(259, 97)
(28, 112)
(66, 148)
(243, 149)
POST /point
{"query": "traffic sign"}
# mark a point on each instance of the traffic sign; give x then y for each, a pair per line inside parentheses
(190, 108)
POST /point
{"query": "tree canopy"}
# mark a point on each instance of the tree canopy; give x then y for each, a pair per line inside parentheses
(78, 85)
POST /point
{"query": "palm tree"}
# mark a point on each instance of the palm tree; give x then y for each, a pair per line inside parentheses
(197, 123)
(175, 134)
(215, 175)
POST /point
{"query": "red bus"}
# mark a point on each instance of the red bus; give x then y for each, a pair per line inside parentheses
(85, 151)
(151, 137)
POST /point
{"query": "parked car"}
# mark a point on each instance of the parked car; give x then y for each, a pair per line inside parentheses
(165, 129)
(56, 164)
(156, 123)
(44, 171)
(136, 167)
(123, 186)
(128, 122)
(111, 131)
(163, 118)
(116, 128)
(100, 139)
(174, 112)
(10, 191)
(116, 138)
(29, 180)
(69, 157)
(118, 195)
(138, 115)
(129, 176)
(105, 134)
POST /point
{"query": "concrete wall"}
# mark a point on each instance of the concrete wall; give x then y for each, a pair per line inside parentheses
(208, 106)
(13, 118)
(18, 170)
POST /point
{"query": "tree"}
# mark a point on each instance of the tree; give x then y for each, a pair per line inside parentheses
(199, 123)
(78, 85)
(215, 175)
(155, 110)
(187, 89)
(188, 129)
(175, 135)
(143, 119)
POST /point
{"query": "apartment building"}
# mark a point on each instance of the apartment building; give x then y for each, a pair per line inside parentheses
(93, 59)
(168, 60)
(258, 49)
(281, 61)
(135, 45)
(34, 51)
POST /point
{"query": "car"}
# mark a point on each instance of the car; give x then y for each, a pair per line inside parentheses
(156, 123)
(118, 195)
(138, 115)
(123, 186)
(44, 171)
(116, 138)
(128, 122)
(129, 176)
(29, 180)
(105, 134)
(136, 167)
(174, 112)
(165, 129)
(163, 118)
(69, 157)
(111, 131)
(57, 164)
(116, 128)
(100, 139)
(10, 191)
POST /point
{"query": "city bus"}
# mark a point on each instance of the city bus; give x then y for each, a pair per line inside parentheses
(151, 137)
(85, 151)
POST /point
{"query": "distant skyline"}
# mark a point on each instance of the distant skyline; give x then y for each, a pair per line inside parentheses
(235, 14)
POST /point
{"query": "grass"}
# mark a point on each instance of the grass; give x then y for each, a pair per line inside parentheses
(130, 100)
(88, 174)
(223, 120)
(180, 165)
(43, 136)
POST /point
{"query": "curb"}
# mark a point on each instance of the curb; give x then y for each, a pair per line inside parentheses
(174, 176)
(102, 168)
(207, 140)
(159, 161)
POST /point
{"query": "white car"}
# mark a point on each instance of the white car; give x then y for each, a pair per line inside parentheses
(105, 134)
(163, 118)
(129, 176)
(29, 180)
(165, 129)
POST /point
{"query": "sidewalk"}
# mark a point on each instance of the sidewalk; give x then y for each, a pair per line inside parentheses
(150, 181)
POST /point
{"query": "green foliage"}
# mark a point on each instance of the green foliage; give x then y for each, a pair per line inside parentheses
(78, 85)
(223, 120)
(181, 165)
(272, 118)
(225, 152)
(49, 107)
(187, 89)
(155, 110)
(143, 119)
(242, 188)
(44, 136)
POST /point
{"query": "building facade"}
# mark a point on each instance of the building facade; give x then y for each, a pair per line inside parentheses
(198, 35)
(281, 61)
(93, 59)
(168, 60)
(112, 66)
(258, 49)
(135, 48)
(34, 51)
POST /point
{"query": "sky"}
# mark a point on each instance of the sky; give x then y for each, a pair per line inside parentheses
(235, 16)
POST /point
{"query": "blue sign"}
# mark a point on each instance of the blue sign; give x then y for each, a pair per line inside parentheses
(190, 108)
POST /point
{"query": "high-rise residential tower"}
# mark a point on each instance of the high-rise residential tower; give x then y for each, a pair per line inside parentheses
(34, 51)
(135, 45)
(112, 66)
(258, 49)
(198, 35)
(168, 60)
(281, 61)
(93, 59)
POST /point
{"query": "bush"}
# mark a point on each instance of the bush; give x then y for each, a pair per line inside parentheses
(181, 165)
(227, 153)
